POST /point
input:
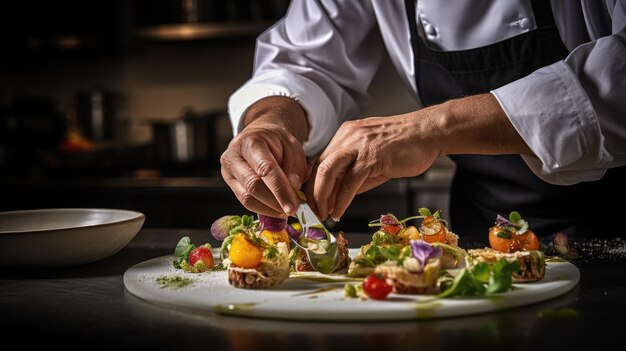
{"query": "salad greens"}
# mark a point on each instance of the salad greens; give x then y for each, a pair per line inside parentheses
(481, 279)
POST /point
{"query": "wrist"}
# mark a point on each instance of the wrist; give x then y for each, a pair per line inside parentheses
(278, 111)
(477, 125)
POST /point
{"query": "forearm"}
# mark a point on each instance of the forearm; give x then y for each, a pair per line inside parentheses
(475, 125)
(279, 111)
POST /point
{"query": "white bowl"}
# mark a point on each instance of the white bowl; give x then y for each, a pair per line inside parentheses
(62, 237)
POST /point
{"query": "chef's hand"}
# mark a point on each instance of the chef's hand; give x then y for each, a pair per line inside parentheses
(265, 161)
(366, 153)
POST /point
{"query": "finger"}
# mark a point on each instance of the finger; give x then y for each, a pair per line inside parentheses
(311, 169)
(246, 184)
(264, 164)
(346, 191)
(248, 200)
(330, 172)
(294, 166)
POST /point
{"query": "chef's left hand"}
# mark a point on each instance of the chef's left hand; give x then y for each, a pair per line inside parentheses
(366, 153)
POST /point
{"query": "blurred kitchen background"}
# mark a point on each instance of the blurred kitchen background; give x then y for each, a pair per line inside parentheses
(122, 104)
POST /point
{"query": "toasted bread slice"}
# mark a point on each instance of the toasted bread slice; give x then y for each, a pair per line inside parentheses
(532, 262)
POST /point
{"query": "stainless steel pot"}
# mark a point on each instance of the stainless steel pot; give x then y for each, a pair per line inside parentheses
(191, 138)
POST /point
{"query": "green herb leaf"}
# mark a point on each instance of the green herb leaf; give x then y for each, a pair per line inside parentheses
(503, 235)
(515, 217)
(272, 252)
(482, 279)
(424, 212)
(182, 247)
(501, 279)
(381, 237)
(391, 252)
(482, 272)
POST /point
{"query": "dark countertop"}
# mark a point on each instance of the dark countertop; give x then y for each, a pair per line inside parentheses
(88, 307)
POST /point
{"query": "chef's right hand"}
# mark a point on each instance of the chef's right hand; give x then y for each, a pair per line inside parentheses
(265, 161)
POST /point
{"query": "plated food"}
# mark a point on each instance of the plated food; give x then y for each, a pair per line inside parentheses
(401, 258)
(512, 240)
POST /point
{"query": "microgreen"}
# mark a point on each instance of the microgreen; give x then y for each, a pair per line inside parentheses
(181, 253)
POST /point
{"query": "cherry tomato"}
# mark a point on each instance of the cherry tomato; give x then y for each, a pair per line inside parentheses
(390, 228)
(504, 240)
(433, 230)
(376, 286)
(201, 253)
(409, 233)
(243, 253)
(529, 240)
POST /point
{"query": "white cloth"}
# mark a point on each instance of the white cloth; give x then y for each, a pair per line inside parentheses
(572, 113)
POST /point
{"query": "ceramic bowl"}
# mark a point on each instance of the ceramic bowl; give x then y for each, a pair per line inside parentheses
(62, 237)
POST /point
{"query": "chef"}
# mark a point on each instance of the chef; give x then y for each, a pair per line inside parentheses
(527, 97)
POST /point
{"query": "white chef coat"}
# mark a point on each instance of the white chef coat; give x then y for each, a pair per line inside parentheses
(572, 114)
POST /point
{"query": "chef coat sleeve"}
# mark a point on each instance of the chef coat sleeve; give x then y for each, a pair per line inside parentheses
(572, 114)
(323, 54)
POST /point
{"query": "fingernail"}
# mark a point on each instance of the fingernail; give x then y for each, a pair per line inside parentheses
(295, 181)
(336, 220)
(288, 209)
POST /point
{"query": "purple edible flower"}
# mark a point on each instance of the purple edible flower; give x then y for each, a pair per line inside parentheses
(503, 222)
(423, 251)
(315, 233)
(293, 233)
(271, 223)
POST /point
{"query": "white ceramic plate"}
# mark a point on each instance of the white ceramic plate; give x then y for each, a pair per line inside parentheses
(61, 237)
(315, 296)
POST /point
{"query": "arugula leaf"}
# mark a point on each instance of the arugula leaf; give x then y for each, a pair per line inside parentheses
(464, 284)
(482, 279)
(391, 252)
(482, 272)
(502, 278)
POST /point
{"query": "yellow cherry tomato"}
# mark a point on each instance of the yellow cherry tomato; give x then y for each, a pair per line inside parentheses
(274, 238)
(409, 233)
(243, 253)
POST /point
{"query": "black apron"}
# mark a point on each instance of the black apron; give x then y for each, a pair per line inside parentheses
(486, 185)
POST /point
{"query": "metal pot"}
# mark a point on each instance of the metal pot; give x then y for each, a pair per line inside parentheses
(191, 138)
(97, 114)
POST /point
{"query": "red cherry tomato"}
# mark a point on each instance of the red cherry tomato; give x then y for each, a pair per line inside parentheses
(201, 253)
(376, 287)
(504, 240)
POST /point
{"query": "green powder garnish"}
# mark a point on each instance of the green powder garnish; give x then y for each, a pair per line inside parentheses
(174, 283)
